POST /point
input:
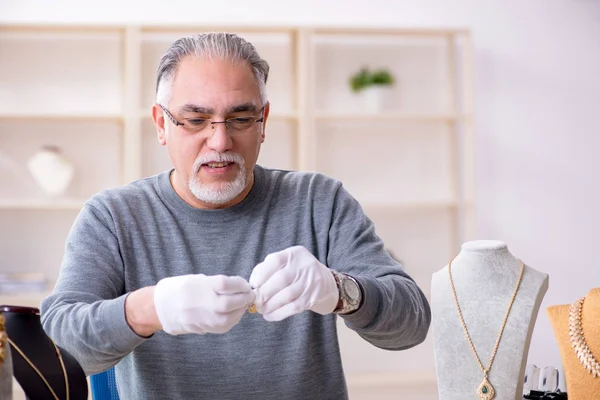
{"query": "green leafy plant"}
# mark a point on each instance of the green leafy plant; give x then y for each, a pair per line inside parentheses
(366, 77)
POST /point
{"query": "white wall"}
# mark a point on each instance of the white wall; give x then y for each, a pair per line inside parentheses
(537, 122)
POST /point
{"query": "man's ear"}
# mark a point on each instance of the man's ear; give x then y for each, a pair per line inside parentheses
(158, 116)
(264, 127)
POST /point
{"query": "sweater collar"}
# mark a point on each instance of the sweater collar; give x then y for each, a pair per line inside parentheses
(243, 208)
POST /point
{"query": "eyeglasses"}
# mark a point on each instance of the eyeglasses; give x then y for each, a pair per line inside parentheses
(232, 125)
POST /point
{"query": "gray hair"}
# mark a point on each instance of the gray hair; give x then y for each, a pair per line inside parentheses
(226, 46)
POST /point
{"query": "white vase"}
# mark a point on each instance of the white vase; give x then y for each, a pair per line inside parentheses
(51, 170)
(375, 98)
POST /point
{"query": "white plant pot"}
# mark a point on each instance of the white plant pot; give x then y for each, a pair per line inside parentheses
(51, 170)
(375, 98)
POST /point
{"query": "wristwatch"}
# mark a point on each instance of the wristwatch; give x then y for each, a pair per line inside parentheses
(351, 293)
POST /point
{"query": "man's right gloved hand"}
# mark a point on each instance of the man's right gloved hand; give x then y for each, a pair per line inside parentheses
(201, 304)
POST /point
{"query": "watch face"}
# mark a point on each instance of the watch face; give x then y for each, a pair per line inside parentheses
(352, 290)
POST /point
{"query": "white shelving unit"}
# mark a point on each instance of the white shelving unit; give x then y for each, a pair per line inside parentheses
(89, 91)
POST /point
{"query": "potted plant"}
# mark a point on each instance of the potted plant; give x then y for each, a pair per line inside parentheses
(372, 84)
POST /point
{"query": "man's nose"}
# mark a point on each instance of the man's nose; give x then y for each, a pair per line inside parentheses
(219, 140)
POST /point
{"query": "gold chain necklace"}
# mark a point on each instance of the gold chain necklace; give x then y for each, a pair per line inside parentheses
(3, 337)
(485, 390)
(62, 365)
(582, 351)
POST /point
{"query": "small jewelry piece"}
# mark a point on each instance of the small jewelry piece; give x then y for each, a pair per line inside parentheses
(485, 391)
(577, 339)
(62, 365)
(252, 308)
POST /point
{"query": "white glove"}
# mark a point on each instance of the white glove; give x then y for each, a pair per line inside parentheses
(292, 281)
(200, 303)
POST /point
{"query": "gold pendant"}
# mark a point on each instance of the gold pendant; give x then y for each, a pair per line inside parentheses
(252, 309)
(486, 391)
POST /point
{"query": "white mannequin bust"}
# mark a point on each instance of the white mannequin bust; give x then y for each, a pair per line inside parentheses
(485, 275)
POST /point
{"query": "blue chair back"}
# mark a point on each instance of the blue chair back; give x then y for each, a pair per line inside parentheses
(104, 385)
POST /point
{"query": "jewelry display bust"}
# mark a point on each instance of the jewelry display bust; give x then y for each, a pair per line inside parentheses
(486, 278)
(36, 361)
(581, 383)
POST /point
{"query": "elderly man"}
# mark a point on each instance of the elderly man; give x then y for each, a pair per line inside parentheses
(221, 279)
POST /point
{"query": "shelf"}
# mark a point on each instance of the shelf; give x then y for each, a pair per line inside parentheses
(97, 167)
(89, 90)
(408, 205)
(26, 299)
(389, 117)
(381, 40)
(393, 163)
(257, 37)
(54, 72)
(425, 32)
(363, 379)
(40, 30)
(61, 117)
(41, 204)
(290, 116)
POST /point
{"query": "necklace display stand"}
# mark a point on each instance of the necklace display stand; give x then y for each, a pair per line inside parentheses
(581, 384)
(24, 329)
(485, 276)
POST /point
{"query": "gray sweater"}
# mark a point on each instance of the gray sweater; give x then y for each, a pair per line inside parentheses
(132, 236)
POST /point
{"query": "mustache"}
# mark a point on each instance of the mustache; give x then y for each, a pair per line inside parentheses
(228, 156)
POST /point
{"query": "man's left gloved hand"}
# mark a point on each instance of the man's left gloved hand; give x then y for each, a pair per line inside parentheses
(291, 281)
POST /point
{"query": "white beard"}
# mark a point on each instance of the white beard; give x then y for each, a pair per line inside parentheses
(219, 192)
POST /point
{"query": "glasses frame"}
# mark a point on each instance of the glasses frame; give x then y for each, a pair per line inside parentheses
(212, 123)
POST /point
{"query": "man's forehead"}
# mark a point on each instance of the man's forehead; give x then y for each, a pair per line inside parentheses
(203, 67)
(196, 75)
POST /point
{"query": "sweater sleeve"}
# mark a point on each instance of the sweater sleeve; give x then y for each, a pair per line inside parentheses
(85, 313)
(395, 314)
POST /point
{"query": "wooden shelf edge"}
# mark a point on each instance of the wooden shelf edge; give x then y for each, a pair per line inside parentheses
(26, 299)
(164, 37)
(170, 28)
(41, 204)
(62, 117)
(60, 27)
(390, 379)
(368, 205)
(391, 116)
(383, 30)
